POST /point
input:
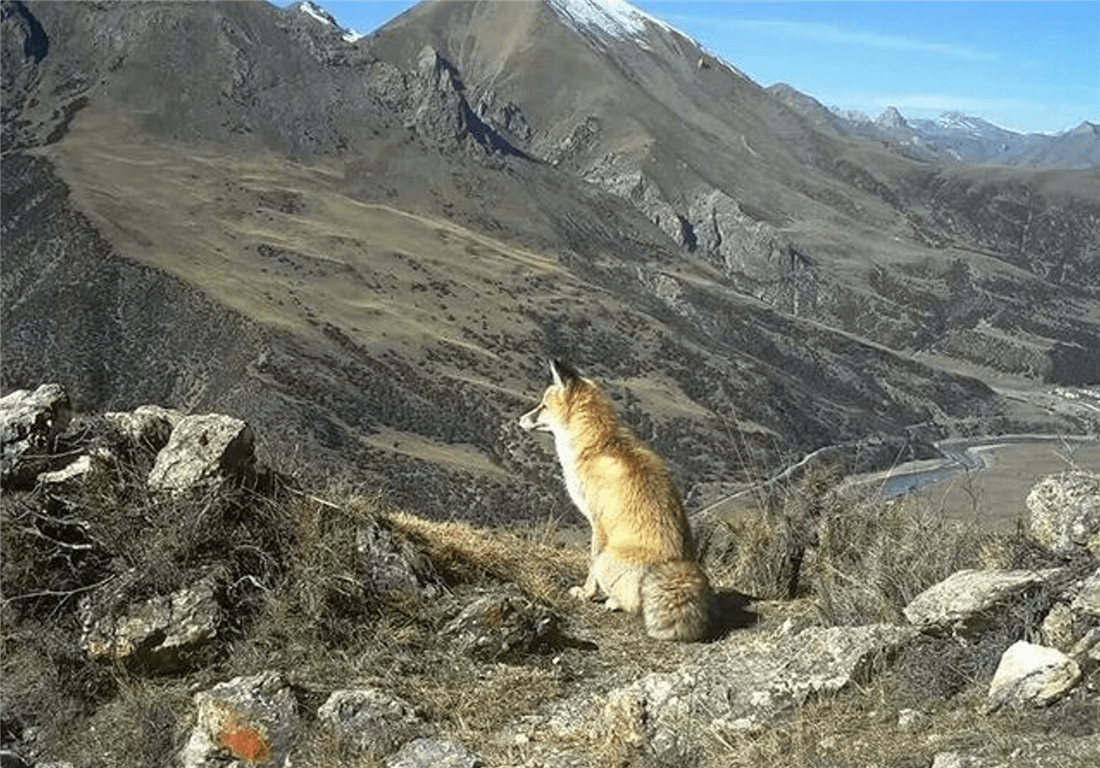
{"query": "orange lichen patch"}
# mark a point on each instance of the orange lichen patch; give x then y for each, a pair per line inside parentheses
(245, 742)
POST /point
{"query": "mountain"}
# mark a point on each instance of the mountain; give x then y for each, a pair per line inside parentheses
(369, 247)
(955, 137)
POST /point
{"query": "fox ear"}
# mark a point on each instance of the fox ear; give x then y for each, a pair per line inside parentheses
(565, 375)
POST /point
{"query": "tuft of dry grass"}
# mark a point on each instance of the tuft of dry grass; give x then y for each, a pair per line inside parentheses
(468, 554)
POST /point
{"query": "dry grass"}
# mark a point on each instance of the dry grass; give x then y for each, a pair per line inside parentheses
(298, 599)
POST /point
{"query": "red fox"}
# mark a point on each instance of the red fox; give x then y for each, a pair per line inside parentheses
(643, 557)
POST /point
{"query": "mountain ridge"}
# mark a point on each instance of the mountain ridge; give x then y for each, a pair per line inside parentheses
(955, 137)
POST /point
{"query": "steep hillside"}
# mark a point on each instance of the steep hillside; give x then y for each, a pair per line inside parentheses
(370, 248)
(816, 223)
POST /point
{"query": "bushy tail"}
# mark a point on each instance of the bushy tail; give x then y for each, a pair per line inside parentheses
(676, 601)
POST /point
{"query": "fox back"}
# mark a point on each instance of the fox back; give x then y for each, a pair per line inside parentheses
(643, 555)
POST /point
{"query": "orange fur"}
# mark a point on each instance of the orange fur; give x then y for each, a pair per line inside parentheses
(642, 556)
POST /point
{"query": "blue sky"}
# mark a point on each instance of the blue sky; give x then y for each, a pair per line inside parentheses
(1027, 66)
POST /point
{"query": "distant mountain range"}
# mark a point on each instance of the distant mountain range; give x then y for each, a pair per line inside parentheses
(955, 137)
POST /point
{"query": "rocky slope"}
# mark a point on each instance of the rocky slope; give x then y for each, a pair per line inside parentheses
(370, 248)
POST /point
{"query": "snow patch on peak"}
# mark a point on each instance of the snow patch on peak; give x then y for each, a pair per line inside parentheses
(318, 13)
(617, 18)
(326, 18)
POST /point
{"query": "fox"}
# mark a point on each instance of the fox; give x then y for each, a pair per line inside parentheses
(642, 553)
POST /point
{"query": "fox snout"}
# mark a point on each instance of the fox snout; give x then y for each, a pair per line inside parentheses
(529, 420)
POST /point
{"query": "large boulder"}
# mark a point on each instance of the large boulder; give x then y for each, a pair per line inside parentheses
(1064, 512)
(970, 601)
(29, 424)
(203, 450)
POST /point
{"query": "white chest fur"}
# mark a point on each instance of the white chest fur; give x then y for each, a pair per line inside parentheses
(567, 455)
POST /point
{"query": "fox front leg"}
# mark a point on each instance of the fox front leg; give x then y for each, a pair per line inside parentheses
(591, 588)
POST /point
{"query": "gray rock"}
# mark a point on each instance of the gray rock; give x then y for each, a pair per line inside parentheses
(729, 687)
(245, 721)
(155, 634)
(912, 720)
(1086, 651)
(371, 720)
(1064, 512)
(968, 601)
(434, 753)
(501, 627)
(202, 450)
(1059, 629)
(1087, 600)
(148, 426)
(29, 423)
(392, 565)
(1032, 674)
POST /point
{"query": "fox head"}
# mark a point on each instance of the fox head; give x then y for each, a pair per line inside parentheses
(552, 412)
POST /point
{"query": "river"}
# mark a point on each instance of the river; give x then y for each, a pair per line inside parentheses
(987, 478)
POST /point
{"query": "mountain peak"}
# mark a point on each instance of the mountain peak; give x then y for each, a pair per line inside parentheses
(892, 118)
(617, 18)
(310, 8)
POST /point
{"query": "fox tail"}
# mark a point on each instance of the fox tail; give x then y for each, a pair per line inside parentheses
(676, 601)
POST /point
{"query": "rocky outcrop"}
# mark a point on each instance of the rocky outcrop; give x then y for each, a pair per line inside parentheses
(1064, 513)
(969, 601)
(29, 423)
(203, 450)
(1033, 636)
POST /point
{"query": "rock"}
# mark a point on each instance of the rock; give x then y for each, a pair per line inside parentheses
(371, 720)
(1058, 628)
(968, 601)
(501, 627)
(201, 450)
(1032, 674)
(29, 423)
(249, 720)
(953, 760)
(156, 635)
(728, 687)
(1087, 600)
(1064, 512)
(1070, 620)
(148, 426)
(392, 565)
(89, 465)
(911, 720)
(1086, 651)
(433, 753)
